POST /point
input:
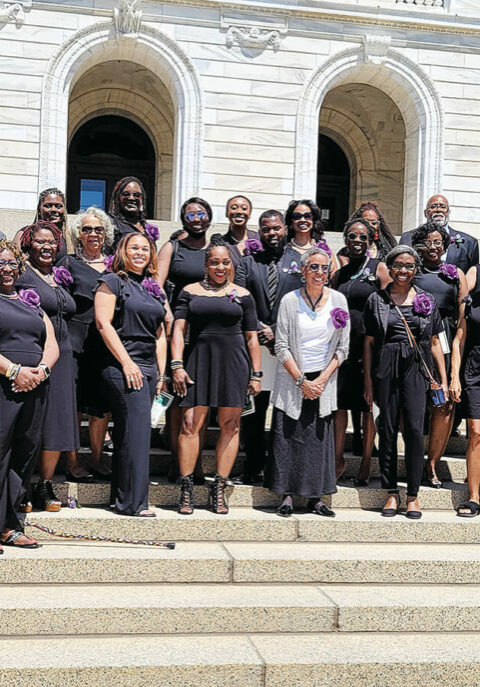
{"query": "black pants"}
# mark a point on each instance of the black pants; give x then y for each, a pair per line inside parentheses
(131, 412)
(253, 435)
(21, 424)
(400, 390)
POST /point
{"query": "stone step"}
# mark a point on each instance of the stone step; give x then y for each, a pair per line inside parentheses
(162, 493)
(242, 524)
(270, 660)
(250, 562)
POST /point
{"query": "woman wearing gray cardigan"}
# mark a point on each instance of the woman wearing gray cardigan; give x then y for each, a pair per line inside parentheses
(312, 338)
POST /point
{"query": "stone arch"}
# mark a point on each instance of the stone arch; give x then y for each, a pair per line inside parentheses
(153, 50)
(417, 99)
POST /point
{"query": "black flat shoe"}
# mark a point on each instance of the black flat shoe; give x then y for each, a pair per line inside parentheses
(322, 510)
(83, 479)
(472, 506)
(413, 514)
(390, 512)
(285, 511)
(361, 482)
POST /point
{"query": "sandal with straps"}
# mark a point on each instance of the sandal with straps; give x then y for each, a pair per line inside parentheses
(472, 506)
(217, 495)
(186, 504)
(14, 536)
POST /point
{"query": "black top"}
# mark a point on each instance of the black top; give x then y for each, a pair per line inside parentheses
(444, 291)
(396, 332)
(216, 314)
(472, 315)
(22, 332)
(122, 227)
(137, 318)
(233, 245)
(187, 266)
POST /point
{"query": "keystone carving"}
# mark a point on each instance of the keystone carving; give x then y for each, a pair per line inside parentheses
(253, 37)
(375, 48)
(127, 18)
(14, 12)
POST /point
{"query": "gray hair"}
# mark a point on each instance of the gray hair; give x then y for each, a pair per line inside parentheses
(76, 226)
(398, 250)
(315, 250)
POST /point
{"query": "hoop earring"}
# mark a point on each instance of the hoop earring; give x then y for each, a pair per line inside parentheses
(303, 279)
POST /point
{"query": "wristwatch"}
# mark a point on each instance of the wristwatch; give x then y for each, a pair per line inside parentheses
(46, 370)
(257, 375)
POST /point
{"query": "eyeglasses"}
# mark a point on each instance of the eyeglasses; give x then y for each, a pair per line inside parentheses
(351, 236)
(40, 242)
(301, 215)
(315, 267)
(436, 243)
(13, 264)
(189, 216)
(127, 194)
(440, 206)
(409, 266)
(90, 230)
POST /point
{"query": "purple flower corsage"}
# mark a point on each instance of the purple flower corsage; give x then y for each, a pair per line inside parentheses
(324, 246)
(108, 262)
(449, 272)
(30, 297)
(152, 287)
(339, 317)
(62, 276)
(422, 304)
(457, 240)
(294, 268)
(253, 246)
(233, 296)
(151, 232)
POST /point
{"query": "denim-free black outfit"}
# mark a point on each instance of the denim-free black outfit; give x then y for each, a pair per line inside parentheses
(400, 383)
(137, 318)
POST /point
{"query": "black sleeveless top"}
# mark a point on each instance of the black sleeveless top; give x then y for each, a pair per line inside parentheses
(187, 266)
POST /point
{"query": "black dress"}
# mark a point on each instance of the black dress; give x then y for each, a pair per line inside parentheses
(187, 266)
(232, 245)
(87, 344)
(357, 282)
(22, 340)
(471, 357)
(217, 359)
(60, 432)
(137, 318)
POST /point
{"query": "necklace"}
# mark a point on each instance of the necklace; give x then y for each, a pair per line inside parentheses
(237, 240)
(359, 272)
(49, 278)
(294, 243)
(212, 287)
(11, 296)
(93, 261)
(312, 304)
(432, 271)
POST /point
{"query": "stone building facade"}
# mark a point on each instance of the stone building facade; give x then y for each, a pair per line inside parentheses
(344, 101)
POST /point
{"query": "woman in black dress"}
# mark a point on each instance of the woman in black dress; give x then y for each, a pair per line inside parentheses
(238, 211)
(394, 375)
(223, 350)
(51, 207)
(448, 286)
(127, 210)
(28, 351)
(129, 312)
(91, 233)
(383, 240)
(468, 338)
(40, 242)
(357, 280)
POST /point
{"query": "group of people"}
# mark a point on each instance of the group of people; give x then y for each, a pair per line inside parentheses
(270, 315)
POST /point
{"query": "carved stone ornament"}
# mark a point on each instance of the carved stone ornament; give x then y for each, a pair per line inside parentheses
(247, 37)
(14, 12)
(127, 18)
(423, 3)
(375, 48)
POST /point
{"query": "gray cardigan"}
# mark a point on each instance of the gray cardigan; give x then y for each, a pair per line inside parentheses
(286, 395)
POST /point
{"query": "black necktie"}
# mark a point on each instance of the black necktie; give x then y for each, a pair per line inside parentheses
(272, 282)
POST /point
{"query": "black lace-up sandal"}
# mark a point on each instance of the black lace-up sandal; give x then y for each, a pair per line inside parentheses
(186, 504)
(218, 502)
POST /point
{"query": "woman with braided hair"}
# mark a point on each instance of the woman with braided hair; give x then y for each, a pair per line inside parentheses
(383, 239)
(51, 207)
(127, 210)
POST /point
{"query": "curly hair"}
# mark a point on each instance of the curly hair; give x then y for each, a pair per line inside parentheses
(349, 223)
(44, 194)
(384, 239)
(121, 260)
(196, 201)
(30, 231)
(19, 257)
(317, 229)
(114, 207)
(76, 228)
(420, 234)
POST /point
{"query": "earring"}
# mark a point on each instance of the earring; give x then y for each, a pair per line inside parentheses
(303, 279)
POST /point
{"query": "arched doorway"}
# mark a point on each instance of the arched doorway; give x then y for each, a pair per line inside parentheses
(333, 184)
(102, 151)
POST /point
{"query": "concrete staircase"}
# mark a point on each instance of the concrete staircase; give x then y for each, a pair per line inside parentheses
(248, 599)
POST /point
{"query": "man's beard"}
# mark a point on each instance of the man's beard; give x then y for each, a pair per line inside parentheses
(274, 252)
(440, 221)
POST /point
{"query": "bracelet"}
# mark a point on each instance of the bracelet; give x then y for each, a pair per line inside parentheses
(255, 379)
(162, 378)
(176, 364)
(300, 380)
(13, 371)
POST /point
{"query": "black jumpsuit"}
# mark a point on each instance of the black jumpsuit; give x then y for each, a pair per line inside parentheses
(471, 357)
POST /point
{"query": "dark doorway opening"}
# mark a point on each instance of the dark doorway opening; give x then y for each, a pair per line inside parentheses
(102, 151)
(333, 184)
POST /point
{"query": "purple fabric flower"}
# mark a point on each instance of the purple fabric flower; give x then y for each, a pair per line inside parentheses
(151, 232)
(457, 239)
(294, 268)
(62, 276)
(324, 246)
(232, 295)
(252, 246)
(108, 262)
(449, 271)
(422, 304)
(30, 297)
(339, 317)
(152, 287)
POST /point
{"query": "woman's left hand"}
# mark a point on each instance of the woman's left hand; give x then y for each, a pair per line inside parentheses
(455, 389)
(162, 386)
(446, 392)
(254, 387)
(321, 381)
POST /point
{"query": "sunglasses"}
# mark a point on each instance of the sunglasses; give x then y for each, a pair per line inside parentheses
(409, 266)
(301, 215)
(92, 230)
(190, 216)
(351, 236)
(316, 267)
(13, 264)
(127, 194)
